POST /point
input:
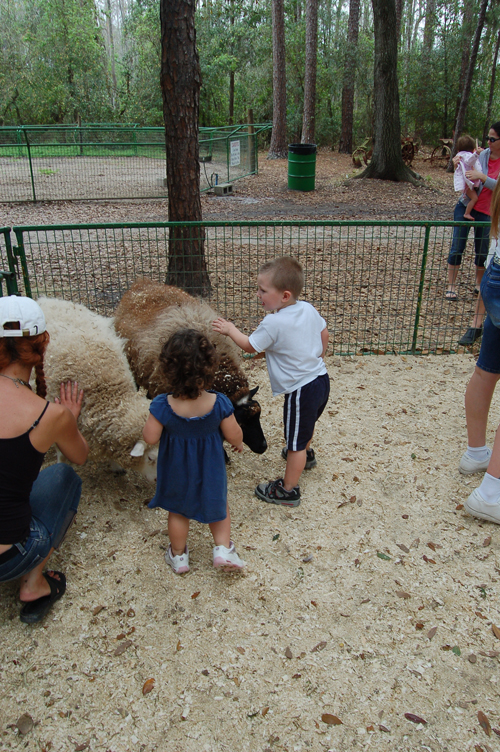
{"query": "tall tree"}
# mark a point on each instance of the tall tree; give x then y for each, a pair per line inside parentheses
(387, 162)
(278, 148)
(180, 85)
(487, 122)
(309, 119)
(425, 65)
(459, 124)
(345, 144)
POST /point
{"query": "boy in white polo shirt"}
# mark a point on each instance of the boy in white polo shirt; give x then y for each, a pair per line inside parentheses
(294, 339)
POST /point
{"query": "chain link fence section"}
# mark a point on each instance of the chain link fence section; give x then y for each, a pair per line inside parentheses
(379, 285)
(95, 161)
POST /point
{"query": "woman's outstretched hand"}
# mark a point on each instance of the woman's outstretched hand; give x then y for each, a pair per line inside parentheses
(71, 397)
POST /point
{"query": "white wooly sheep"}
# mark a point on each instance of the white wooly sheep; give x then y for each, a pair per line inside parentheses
(84, 347)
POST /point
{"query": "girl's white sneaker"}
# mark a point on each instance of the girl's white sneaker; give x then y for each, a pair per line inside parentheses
(180, 564)
(227, 559)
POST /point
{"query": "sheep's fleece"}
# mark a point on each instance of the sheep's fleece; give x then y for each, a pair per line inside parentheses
(149, 313)
(84, 347)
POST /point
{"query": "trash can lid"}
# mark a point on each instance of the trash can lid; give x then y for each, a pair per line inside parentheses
(302, 148)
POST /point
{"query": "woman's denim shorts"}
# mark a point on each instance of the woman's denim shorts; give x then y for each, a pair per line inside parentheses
(489, 355)
(54, 500)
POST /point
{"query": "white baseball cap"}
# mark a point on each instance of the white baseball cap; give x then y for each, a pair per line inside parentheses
(22, 311)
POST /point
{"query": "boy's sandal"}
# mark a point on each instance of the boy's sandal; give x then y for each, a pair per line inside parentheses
(476, 291)
(34, 611)
(451, 295)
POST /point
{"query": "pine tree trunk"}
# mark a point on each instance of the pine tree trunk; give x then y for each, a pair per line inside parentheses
(425, 67)
(309, 118)
(278, 148)
(465, 40)
(487, 123)
(387, 162)
(180, 84)
(459, 124)
(345, 144)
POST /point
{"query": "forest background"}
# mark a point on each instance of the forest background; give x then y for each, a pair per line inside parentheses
(99, 60)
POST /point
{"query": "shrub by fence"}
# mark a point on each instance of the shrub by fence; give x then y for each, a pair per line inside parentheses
(60, 162)
(379, 285)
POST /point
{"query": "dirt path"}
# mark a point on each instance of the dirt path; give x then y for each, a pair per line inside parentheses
(266, 196)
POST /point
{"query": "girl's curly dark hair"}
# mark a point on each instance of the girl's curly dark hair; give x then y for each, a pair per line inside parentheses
(189, 362)
(26, 350)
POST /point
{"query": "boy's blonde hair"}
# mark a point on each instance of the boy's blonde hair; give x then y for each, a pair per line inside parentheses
(286, 274)
(495, 210)
(466, 143)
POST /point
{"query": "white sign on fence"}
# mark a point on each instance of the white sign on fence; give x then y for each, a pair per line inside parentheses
(235, 154)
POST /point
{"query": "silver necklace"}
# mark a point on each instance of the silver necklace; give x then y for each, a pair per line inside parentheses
(16, 380)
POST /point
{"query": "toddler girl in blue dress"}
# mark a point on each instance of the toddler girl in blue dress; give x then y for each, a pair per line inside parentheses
(191, 422)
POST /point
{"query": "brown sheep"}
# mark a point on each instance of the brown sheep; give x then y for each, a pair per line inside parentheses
(149, 313)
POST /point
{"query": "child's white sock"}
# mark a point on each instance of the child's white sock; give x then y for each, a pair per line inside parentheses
(490, 489)
(480, 454)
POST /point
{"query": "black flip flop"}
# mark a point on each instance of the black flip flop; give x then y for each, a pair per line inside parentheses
(34, 611)
(451, 296)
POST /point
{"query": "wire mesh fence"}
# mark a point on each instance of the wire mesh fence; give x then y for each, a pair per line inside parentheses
(42, 163)
(379, 285)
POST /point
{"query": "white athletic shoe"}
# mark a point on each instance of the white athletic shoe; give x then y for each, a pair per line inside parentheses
(180, 564)
(468, 466)
(227, 559)
(478, 507)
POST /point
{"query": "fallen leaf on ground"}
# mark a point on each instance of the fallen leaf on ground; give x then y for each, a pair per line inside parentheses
(148, 686)
(431, 633)
(320, 646)
(496, 631)
(288, 653)
(484, 722)
(331, 720)
(123, 647)
(414, 718)
(24, 723)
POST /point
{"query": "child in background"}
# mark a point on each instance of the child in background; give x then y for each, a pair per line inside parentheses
(294, 339)
(190, 423)
(469, 160)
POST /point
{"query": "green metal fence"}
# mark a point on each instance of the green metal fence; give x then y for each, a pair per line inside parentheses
(379, 285)
(60, 162)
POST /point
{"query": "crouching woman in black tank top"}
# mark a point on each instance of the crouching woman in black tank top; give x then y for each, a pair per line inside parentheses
(36, 508)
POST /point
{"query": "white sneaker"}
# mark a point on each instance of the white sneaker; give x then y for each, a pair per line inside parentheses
(478, 507)
(227, 559)
(180, 564)
(468, 465)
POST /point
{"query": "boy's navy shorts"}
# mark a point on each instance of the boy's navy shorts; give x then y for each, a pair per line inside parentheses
(302, 409)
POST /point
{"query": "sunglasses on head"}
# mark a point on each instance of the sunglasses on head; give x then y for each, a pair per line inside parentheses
(492, 140)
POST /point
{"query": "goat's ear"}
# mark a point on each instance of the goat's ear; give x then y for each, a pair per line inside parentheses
(253, 392)
(138, 449)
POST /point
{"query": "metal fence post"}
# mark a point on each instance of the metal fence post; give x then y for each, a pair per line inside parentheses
(420, 288)
(20, 253)
(30, 163)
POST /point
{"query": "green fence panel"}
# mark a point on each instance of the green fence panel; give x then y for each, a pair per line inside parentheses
(379, 285)
(49, 163)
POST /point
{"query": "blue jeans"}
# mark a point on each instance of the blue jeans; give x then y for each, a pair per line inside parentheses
(54, 500)
(460, 235)
(489, 355)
